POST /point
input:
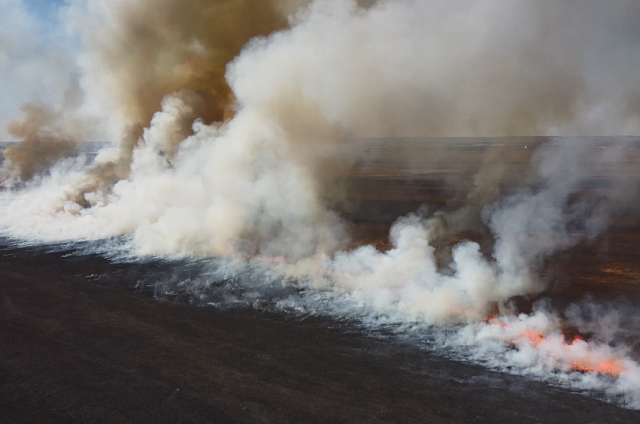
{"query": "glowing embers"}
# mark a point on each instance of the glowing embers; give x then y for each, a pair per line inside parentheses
(551, 346)
(610, 367)
(535, 337)
(596, 363)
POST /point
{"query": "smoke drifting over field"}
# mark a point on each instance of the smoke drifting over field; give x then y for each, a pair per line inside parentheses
(44, 142)
(236, 120)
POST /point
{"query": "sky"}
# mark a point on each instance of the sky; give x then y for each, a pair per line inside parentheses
(37, 59)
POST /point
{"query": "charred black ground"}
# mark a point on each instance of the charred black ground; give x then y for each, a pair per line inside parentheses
(76, 350)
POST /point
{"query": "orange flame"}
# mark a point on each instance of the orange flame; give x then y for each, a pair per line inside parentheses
(611, 366)
(536, 337)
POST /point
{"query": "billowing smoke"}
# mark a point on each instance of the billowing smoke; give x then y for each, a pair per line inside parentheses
(528, 227)
(340, 72)
(236, 124)
(139, 52)
(43, 142)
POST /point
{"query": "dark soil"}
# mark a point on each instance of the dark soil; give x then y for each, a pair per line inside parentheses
(76, 350)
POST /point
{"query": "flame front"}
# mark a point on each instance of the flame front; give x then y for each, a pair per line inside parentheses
(577, 355)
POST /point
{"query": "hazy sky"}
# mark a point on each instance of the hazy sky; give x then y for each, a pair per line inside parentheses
(36, 55)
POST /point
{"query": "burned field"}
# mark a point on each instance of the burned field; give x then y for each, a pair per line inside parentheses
(77, 350)
(87, 339)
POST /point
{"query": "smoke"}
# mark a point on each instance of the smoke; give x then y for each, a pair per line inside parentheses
(237, 123)
(340, 72)
(36, 62)
(47, 136)
(537, 347)
(136, 53)
(397, 68)
(528, 227)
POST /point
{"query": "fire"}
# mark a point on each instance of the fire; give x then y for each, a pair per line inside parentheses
(612, 367)
(495, 321)
(591, 363)
(536, 337)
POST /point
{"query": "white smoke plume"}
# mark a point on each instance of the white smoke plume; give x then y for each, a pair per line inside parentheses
(341, 71)
(245, 167)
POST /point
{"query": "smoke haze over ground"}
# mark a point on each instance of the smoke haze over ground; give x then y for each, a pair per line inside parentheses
(236, 123)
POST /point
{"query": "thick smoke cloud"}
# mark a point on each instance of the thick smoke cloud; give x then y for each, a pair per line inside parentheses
(139, 52)
(398, 68)
(528, 227)
(217, 173)
(259, 143)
